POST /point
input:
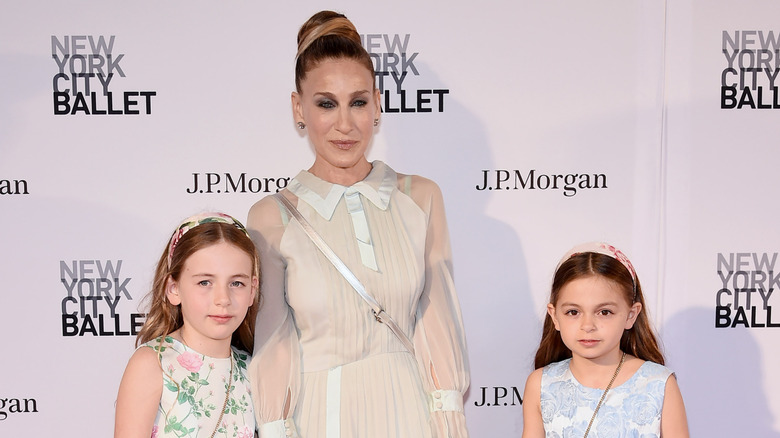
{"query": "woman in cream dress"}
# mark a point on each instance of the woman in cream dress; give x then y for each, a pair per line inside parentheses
(323, 366)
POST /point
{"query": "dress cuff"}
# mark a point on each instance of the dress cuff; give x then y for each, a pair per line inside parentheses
(278, 429)
(445, 400)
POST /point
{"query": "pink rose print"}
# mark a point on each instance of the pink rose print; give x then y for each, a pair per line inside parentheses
(245, 433)
(154, 431)
(190, 361)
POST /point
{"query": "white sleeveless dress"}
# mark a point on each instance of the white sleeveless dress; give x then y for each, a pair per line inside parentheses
(194, 389)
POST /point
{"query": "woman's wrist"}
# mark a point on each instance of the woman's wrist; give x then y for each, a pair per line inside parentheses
(445, 400)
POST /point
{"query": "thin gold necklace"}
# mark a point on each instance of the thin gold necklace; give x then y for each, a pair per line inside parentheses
(227, 391)
(604, 395)
(227, 396)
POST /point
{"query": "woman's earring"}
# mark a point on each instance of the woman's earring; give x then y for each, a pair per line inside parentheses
(376, 122)
(301, 125)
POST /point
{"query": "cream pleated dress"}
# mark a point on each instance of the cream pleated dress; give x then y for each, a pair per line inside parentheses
(323, 367)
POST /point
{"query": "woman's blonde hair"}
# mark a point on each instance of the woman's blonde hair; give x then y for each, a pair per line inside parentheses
(328, 35)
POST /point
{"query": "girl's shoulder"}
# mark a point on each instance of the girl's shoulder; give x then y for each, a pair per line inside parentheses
(535, 377)
(554, 373)
(651, 369)
(167, 351)
(143, 368)
(241, 358)
(162, 344)
(556, 368)
(146, 357)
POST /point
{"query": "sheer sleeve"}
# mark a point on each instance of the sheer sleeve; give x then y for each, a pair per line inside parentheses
(274, 372)
(439, 338)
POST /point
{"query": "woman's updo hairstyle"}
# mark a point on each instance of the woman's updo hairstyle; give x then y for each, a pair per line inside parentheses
(328, 35)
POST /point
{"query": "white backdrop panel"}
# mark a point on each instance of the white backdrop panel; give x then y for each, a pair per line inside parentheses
(722, 177)
(625, 92)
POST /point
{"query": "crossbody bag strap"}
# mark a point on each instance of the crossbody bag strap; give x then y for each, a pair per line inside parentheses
(376, 308)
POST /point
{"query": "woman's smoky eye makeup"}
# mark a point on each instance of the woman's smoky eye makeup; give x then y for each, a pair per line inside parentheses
(326, 103)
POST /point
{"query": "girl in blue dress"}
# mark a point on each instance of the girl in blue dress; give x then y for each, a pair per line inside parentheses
(600, 371)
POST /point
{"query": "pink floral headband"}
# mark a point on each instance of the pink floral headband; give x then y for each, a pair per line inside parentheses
(200, 219)
(605, 249)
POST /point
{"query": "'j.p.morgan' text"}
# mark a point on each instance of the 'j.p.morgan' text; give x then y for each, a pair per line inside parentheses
(17, 406)
(13, 187)
(570, 183)
(210, 182)
(499, 396)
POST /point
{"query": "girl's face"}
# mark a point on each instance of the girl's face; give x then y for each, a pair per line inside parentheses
(338, 103)
(215, 289)
(591, 314)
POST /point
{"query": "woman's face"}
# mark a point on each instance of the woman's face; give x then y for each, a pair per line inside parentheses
(338, 103)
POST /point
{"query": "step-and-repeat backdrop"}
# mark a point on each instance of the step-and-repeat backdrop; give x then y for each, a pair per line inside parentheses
(652, 125)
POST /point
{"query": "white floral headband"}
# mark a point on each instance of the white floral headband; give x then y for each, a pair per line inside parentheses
(200, 219)
(605, 249)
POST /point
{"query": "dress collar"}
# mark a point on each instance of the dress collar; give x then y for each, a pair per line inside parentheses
(323, 196)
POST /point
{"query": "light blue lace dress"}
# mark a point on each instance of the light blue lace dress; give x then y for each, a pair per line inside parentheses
(630, 410)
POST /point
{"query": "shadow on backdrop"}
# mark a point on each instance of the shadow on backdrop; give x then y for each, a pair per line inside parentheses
(489, 264)
(720, 376)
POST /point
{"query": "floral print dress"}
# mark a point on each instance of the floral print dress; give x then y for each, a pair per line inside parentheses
(194, 389)
(632, 409)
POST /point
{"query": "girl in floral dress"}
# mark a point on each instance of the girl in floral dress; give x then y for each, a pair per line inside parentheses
(188, 378)
(599, 370)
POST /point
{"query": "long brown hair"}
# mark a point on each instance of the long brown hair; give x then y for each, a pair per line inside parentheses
(163, 317)
(328, 35)
(639, 341)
